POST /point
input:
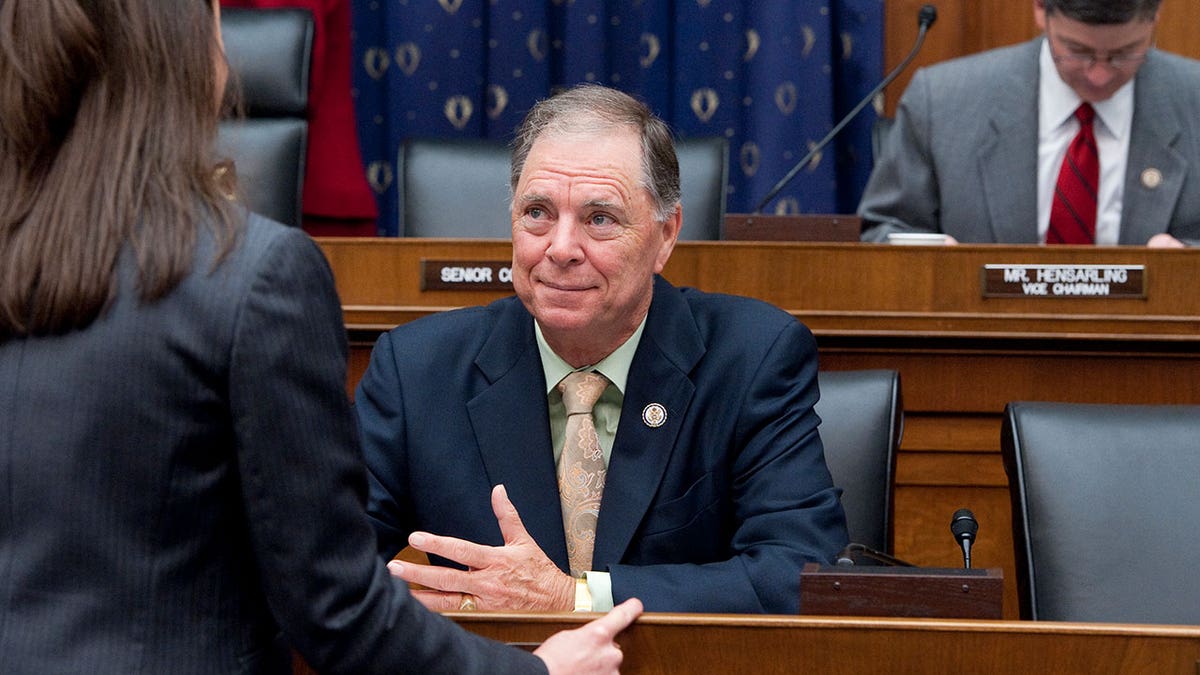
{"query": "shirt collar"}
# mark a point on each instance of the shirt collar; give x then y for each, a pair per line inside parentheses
(1057, 101)
(615, 366)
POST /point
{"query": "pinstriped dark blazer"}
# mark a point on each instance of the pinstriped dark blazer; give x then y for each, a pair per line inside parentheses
(181, 490)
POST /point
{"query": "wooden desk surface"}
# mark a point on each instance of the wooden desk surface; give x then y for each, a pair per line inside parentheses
(915, 309)
(700, 643)
(836, 289)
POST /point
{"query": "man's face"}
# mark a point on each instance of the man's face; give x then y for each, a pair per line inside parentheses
(586, 244)
(1096, 60)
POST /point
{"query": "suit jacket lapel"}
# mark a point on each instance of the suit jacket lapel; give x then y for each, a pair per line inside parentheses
(670, 347)
(1147, 206)
(1008, 153)
(512, 427)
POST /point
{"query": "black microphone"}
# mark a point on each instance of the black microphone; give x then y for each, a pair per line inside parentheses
(925, 18)
(964, 526)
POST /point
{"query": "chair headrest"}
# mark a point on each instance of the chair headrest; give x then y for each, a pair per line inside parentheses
(269, 51)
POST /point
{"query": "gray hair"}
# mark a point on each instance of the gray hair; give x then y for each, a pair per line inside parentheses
(592, 108)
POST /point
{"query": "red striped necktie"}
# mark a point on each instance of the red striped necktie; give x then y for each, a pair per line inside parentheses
(1073, 212)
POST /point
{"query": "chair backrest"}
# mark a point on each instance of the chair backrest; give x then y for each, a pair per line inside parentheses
(862, 421)
(454, 188)
(460, 187)
(703, 175)
(1105, 503)
(269, 53)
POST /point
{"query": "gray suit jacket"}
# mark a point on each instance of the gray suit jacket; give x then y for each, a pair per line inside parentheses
(181, 490)
(961, 157)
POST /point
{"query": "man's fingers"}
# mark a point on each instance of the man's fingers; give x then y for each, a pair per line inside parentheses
(619, 618)
(438, 601)
(511, 527)
(460, 551)
(432, 577)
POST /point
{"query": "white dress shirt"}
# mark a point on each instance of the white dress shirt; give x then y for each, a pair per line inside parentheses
(1057, 126)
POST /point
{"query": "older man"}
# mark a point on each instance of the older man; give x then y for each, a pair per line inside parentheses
(1087, 135)
(636, 439)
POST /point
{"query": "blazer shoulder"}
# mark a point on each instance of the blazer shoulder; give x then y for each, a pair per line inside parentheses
(458, 331)
(1178, 64)
(271, 268)
(983, 70)
(1167, 76)
(723, 317)
(261, 246)
(261, 236)
(264, 256)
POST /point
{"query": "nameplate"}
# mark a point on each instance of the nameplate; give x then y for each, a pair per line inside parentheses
(936, 593)
(466, 275)
(1064, 281)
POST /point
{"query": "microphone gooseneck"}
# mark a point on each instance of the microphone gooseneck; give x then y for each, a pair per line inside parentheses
(925, 18)
(964, 527)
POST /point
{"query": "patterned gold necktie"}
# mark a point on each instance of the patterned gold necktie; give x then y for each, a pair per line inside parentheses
(581, 468)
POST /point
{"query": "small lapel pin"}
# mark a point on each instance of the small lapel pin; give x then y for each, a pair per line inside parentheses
(1152, 178)
(654, 415)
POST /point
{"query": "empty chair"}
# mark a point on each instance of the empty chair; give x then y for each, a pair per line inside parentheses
(1105, 501)
(862, 420)
(269, 52)
(454, 188)
(460, 187)
(703, 172)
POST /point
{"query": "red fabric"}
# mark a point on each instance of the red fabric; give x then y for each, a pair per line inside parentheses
(337, 199)
(1073, 212)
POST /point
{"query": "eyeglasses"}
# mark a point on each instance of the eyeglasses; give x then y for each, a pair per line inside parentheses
(1086, 58)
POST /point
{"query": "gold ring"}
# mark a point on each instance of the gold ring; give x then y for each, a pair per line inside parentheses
(467, 603)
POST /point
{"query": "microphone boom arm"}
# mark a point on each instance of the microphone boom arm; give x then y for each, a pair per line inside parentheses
(923, 28)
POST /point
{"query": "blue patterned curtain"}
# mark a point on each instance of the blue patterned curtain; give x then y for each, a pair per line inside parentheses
(772, 76)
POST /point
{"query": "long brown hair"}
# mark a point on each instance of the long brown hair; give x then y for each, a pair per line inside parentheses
(107, 119)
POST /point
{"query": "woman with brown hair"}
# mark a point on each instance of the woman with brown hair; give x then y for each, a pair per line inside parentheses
(180, 486)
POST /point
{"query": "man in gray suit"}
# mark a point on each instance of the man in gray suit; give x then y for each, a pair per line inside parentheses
(978, 142)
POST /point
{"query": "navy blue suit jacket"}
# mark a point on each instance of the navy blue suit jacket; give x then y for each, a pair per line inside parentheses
(714, 511)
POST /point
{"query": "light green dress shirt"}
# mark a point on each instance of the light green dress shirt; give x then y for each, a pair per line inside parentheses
(607, 415)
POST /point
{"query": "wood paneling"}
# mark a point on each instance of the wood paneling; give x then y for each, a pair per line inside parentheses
(877, 292)
(933, 433)
(969, 26)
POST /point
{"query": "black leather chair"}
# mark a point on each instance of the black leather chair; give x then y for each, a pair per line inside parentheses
(460, 187)
(269, 53)
(1105, 502)
(454, 188)
(703, 175)
(862, 421)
